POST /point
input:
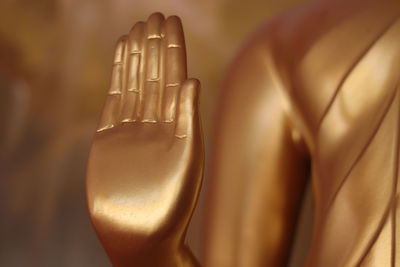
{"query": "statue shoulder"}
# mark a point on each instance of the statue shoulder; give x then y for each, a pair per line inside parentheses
(317, 48)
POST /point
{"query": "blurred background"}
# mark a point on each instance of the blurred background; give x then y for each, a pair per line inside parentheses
(55, 67)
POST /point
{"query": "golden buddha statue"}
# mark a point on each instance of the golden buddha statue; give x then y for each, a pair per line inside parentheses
(315, 91)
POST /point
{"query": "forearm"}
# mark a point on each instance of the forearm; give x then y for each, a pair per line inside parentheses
(257, 173)
(255, 203)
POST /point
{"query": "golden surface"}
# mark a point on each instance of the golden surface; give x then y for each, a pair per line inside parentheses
(326, 76)
(146, 161)
(55, 71)
(317, 85)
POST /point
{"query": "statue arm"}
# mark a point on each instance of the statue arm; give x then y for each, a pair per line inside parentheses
(259, 168)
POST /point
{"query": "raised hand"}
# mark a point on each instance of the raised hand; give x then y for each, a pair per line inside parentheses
(146, 160)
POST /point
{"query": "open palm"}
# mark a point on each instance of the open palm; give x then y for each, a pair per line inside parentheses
(146, 160)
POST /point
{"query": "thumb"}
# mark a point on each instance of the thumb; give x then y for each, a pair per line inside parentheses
(187, 108)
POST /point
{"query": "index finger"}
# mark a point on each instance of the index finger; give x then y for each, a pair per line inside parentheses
(174, 66)
(176, 52)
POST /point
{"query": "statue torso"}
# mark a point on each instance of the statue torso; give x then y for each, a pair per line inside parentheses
(341, 67)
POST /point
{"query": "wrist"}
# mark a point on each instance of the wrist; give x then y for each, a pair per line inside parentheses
(161, 255)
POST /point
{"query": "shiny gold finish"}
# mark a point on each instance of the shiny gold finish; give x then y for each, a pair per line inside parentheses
(319, 85)
(325, 75)
(146, 160)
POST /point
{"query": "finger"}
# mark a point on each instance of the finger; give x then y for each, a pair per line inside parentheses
(188, 108)
(176, 53)
(175, 66)
(112, 106)
(151, 93)
(134, 87)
